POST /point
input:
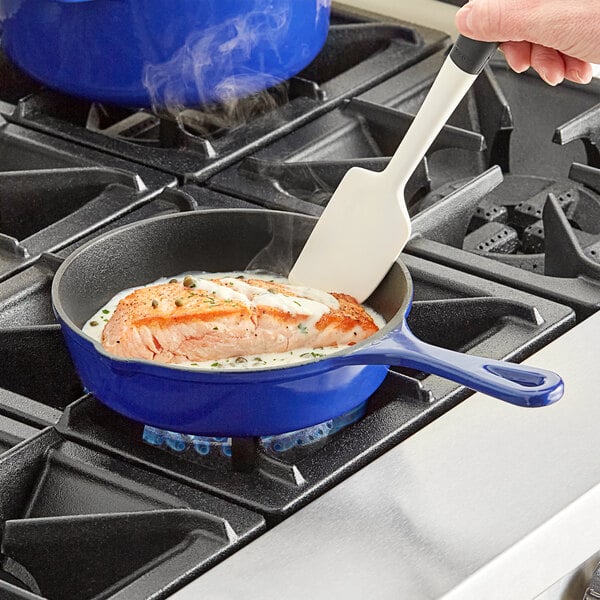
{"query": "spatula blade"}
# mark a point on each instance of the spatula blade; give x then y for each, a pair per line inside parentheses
(358, 237)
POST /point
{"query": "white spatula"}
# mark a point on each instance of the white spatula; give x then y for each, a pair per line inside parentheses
(366, 224)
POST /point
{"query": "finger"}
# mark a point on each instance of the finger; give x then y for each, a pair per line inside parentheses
(548, 63)
(518, 55)
(570, 27)
(577, 70)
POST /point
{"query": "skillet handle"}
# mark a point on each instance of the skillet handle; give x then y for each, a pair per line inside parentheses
(518, 384)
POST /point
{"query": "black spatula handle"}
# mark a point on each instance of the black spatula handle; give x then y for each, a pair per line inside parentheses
(470, 55)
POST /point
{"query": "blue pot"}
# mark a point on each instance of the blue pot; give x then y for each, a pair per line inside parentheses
(172, 53)
(255, 401)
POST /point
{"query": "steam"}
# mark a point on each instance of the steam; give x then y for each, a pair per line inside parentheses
(288, 234)
(235, 112)
(206, 65)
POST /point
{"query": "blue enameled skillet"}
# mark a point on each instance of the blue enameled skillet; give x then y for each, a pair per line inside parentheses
(251, 402)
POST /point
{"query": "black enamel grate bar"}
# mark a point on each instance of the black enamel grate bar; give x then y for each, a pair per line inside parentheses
(584, 127)
(12, 431)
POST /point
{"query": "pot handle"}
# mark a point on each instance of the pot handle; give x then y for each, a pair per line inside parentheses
(521, 385)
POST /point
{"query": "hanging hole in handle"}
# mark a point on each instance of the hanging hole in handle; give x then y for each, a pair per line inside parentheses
(524, 378)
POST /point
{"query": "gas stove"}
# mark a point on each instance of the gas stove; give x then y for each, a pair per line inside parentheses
(503, 260)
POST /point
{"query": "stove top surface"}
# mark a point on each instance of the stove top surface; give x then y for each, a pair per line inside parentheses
(503, 261)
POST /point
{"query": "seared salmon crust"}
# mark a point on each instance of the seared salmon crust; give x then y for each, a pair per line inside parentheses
(224, 318)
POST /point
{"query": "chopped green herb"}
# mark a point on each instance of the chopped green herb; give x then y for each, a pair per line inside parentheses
(105, 311)
(216, 364)
(311, 354)
(302, 327)
(194, 364)
(296, 302)
(94, 323)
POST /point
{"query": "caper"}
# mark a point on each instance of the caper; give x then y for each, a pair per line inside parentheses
(94, 323)
(155, 303)
(241, 359)
(172, 280)
(178, 302)
(188, 281)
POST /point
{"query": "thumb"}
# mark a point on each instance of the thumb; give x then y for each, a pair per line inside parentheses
(569, 26)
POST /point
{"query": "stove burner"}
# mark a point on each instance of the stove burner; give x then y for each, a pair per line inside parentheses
(189, 127)
(219, 449)
(510, 224)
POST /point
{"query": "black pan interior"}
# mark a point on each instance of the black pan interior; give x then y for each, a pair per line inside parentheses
(213, 241)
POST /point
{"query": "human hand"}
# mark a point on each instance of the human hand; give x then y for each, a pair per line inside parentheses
(557, 38)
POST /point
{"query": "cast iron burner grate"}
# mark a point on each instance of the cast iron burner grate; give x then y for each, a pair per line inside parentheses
(361, 50)
(506, 226)
(498, 123)
(53, 193)
(78, 524)
(301, 171)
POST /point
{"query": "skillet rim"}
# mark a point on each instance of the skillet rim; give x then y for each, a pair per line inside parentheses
(394, 323)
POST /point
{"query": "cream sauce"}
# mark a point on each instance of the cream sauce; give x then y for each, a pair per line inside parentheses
(309, 301)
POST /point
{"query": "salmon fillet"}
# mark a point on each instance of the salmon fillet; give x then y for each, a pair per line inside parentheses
(230, 317)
